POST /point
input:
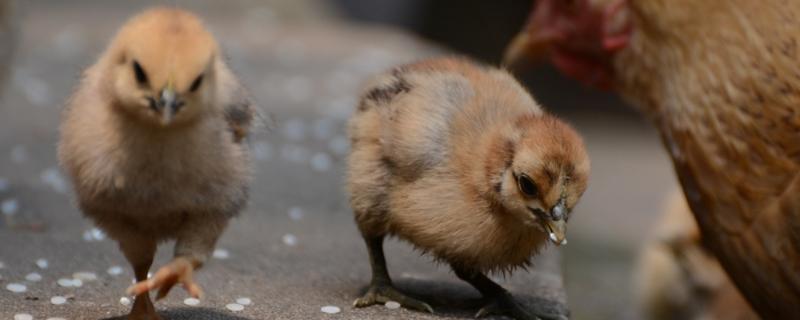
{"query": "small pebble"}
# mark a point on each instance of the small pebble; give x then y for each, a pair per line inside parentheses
(64, 282)
(262, 151)
(42, 263)
(289, 240)
(221, 254)
(244, 301)
(115, 270)
(23, 316)
(9, 207)
(16, 287)
(53, 178)
(68, 283)
(35, 90)
(84, 276)
(294, 129)
(296, 213)
(58, 300)
(295, 153)
(331, 309)
(98, 234)
(94, 234)
(339, 145)
(191, 301)
(124, 301)
(323, 129)
(321, 162)
(340, 108)
(33, 276)
(392, 304)
(235, 307)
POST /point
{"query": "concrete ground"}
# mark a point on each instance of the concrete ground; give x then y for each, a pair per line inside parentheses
(295, 249)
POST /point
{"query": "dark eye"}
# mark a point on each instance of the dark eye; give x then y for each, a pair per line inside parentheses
(527, 186)
(196, 84)
(141, 77)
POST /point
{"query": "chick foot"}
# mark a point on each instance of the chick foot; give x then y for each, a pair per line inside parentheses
(143, 309)
(179, 270)
(505, 305)
(380, 294)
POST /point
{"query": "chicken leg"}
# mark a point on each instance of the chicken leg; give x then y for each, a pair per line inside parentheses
(193, 247)
(140, 255)
(381, 289)
(501, 302)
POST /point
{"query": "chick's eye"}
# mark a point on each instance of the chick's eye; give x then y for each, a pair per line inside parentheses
(196, 83)
(141, 77)
(527, 186)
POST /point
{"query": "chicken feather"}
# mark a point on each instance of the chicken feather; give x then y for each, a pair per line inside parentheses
(721, 82)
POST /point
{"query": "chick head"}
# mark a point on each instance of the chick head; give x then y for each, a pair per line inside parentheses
(163, 67)
(548, 173)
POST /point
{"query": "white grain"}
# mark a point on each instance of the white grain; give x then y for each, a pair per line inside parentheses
(235, 307)
(16, 287)
(58, 300)
(331, 309)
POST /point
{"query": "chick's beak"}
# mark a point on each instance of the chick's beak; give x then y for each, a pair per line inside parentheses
(557, 231)
(556, 224)
(169, 103)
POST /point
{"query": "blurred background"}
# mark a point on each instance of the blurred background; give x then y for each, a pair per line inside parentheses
(304, 61)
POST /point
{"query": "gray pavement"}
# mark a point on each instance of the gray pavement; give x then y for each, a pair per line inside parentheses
(295, 249)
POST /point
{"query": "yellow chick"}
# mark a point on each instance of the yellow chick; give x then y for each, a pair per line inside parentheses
(152, 140)
(460, 161)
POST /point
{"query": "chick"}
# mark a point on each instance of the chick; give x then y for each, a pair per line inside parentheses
(460, 161)
(153, 141)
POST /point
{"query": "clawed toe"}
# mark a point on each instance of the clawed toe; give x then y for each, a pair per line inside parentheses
(178, 271)
(383, 294)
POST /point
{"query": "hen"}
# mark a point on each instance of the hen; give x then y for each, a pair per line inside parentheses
(677, 278)
(721, 82)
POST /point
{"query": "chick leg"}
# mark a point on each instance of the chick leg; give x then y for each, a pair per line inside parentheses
(140, 256)
(501, 301)
(193, 247)
(381, 289)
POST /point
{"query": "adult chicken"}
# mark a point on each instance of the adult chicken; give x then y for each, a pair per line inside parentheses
(721, 82)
